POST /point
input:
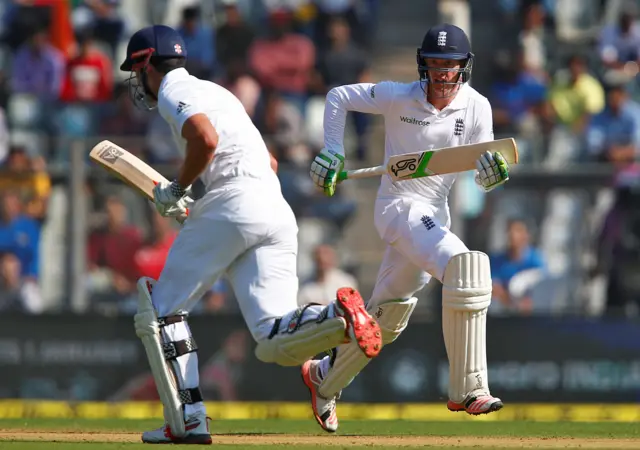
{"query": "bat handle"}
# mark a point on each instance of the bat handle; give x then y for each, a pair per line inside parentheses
(183, 217)
(362, 173)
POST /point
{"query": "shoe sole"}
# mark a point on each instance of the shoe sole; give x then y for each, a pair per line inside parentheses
(306, 379)
(363, 328)
(497, 406)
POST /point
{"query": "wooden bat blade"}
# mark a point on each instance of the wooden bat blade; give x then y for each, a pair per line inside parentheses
(448, 160)
(129, 168)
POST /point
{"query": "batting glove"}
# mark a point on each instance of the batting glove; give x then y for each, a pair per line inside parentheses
(325, 169)
(493, 171)
(170, 199)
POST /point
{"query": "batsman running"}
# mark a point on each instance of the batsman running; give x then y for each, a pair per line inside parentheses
(238, 225)
(412, 217)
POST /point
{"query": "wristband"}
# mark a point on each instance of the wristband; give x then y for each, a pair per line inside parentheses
(177, 190)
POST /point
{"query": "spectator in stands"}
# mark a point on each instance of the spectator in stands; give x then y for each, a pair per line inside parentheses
(38, 68)
(103, 16)
(224, 374)
(27, 177)
(284, 60)
(328, 278)
(151, 257)
(124, 120)
(614, 134)
(576, 95)
(159, 142)
(346, 9)
(282, 123)
(517, 97)
(216, 300)
(17, 293)
(201, 43)
(243, 85)
(19, 234)
(21, 19)
(620, 42)
(89, 75)
(519, 257)
(4, 127)
(307, 201)
(112, 249)
(342, 63)
(234, 37)
(533, 40)
(617, 246)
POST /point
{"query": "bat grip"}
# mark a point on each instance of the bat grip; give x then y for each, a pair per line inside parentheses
(182, 218)
(362, 173)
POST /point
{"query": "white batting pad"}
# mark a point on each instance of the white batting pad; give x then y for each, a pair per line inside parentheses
(301, 335)
(393, 317)
(466, 295)
(148, 330)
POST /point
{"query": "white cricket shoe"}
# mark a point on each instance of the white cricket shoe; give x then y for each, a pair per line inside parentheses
(197, 428)
(324, 410)
(476, 404)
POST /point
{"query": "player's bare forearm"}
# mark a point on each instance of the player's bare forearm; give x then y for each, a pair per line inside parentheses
(198, 156)
(202, 140)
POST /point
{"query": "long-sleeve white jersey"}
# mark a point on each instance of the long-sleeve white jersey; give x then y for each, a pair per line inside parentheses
(241, 151)
(411, 124)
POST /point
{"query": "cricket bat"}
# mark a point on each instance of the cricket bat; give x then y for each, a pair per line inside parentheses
(129, 168)
(436, 162)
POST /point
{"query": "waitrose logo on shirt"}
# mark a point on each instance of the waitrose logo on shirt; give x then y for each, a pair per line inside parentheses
(414, 121)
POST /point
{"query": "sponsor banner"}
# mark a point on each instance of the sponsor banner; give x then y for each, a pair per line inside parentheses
(427, 412)
(92, 358)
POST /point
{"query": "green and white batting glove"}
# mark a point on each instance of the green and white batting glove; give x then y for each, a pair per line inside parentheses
(493, 171)
(325, 169)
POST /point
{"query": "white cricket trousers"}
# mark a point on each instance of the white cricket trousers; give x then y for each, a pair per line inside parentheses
(246, 231)
(419, 246)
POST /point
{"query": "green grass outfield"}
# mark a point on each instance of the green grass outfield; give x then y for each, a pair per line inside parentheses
(107, 434)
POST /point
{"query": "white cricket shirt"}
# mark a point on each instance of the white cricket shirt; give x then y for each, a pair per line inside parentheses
(411, 124)
(241, 151)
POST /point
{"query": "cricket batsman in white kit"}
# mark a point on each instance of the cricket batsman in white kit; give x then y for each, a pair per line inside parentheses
(412, 217)
(238, 225)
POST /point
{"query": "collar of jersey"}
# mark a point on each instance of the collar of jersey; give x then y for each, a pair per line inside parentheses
(174, 75)
(459, 102)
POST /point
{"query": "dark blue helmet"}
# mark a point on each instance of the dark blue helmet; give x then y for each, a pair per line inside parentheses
(155, 41)
(445, 41)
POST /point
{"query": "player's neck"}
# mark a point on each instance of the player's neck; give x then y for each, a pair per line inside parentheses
(439, 103)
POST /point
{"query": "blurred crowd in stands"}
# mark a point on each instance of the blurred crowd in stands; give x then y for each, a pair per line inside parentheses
(59, 83)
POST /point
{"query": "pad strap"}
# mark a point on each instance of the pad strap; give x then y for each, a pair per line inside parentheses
(190, 396)
(173, 350)
(170, 320)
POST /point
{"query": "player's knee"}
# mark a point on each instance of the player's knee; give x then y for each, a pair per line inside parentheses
(467, 282)
(269, 351)
(147, 319)
(393, 317)
(295, 338)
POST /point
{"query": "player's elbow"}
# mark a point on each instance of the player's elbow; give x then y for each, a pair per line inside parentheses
(209, 141)
(198, 129)
(334, 96)
(274, 162)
